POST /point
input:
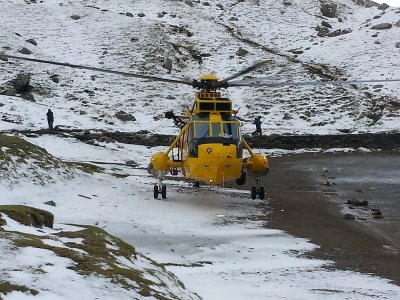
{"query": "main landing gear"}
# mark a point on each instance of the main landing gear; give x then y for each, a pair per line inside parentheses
(160, 189)
(257, 190)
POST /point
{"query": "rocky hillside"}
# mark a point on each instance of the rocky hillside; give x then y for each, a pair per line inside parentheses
(301, 41)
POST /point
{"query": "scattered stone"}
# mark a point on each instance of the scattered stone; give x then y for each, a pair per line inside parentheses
(359, 191)
(123, 116)
(297, 51)
(326, 24)
(219, 5)
(382, 26)
(83, 196)
(376, 213)
(383, 6)
(51, 203)
(344, 130)
(24, 50)
(397, 45)
(287, 116)
(242, 52)
(128, 14)
(15, 119)
(21, 84)
(398, 23)
(75, 17)
(329, 183)
(349, 217)
(357, 202)
(168, 65)
(55, 78)
(31, 41)
(188, 2)
(206, 3)
(89, 92)
(141, 15)
(339, 32)
(131, 163)
(322, 31)
(329, 9)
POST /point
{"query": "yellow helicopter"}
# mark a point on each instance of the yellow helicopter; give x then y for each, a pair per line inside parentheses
(210, 144)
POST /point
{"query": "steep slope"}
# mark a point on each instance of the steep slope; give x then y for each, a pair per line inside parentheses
(182, 39)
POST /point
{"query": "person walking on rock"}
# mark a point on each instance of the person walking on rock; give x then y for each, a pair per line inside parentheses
(258, 122)
(50, 119)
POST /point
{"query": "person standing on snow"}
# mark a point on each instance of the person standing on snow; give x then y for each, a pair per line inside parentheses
(50, 119)
(258, 122)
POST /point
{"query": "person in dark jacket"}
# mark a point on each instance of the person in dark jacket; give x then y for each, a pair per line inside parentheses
(258, 122)
(50, 119)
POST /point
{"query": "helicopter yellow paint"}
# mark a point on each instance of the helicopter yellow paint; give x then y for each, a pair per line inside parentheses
(210, 145)
(215, 164)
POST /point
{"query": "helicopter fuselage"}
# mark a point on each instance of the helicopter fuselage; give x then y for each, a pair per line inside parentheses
(210, 145)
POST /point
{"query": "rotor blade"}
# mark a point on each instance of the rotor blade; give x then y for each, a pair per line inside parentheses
(153, 78)
(247, 70)
(311, 83)
(252, 81)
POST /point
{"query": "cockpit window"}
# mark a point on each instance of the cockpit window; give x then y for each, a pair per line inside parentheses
(231, 130)
(216, 129)
(202, 129)
(227, 130)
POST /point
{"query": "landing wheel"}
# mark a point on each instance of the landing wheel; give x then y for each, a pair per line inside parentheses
(156, 192)
(164, 191)
(261, 193)
(253, 192)
(196, 184)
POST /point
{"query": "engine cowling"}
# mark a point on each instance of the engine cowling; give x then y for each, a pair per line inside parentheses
(258, 163)
(160, 162)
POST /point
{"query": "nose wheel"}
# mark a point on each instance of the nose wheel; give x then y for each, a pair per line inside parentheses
(257, 191)
(160, 189)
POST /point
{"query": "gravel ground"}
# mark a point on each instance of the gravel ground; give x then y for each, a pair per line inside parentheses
(303, 204)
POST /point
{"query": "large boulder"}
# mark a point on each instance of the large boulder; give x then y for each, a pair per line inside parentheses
(123, 116)
(382, 26)
(329, 9)
(29, 216)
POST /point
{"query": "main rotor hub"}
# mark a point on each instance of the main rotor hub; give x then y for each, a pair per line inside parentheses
(209, 82)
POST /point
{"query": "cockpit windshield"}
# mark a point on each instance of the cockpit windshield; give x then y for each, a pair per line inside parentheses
(231, 130)
(225, 130)
(202, 129)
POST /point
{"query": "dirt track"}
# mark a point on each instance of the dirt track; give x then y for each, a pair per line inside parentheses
(303, 206)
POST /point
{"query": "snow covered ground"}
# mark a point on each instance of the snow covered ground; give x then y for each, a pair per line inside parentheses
(209, 238)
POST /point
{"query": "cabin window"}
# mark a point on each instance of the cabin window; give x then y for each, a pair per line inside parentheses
(216, 129)
(202, 129)
(231, 130)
